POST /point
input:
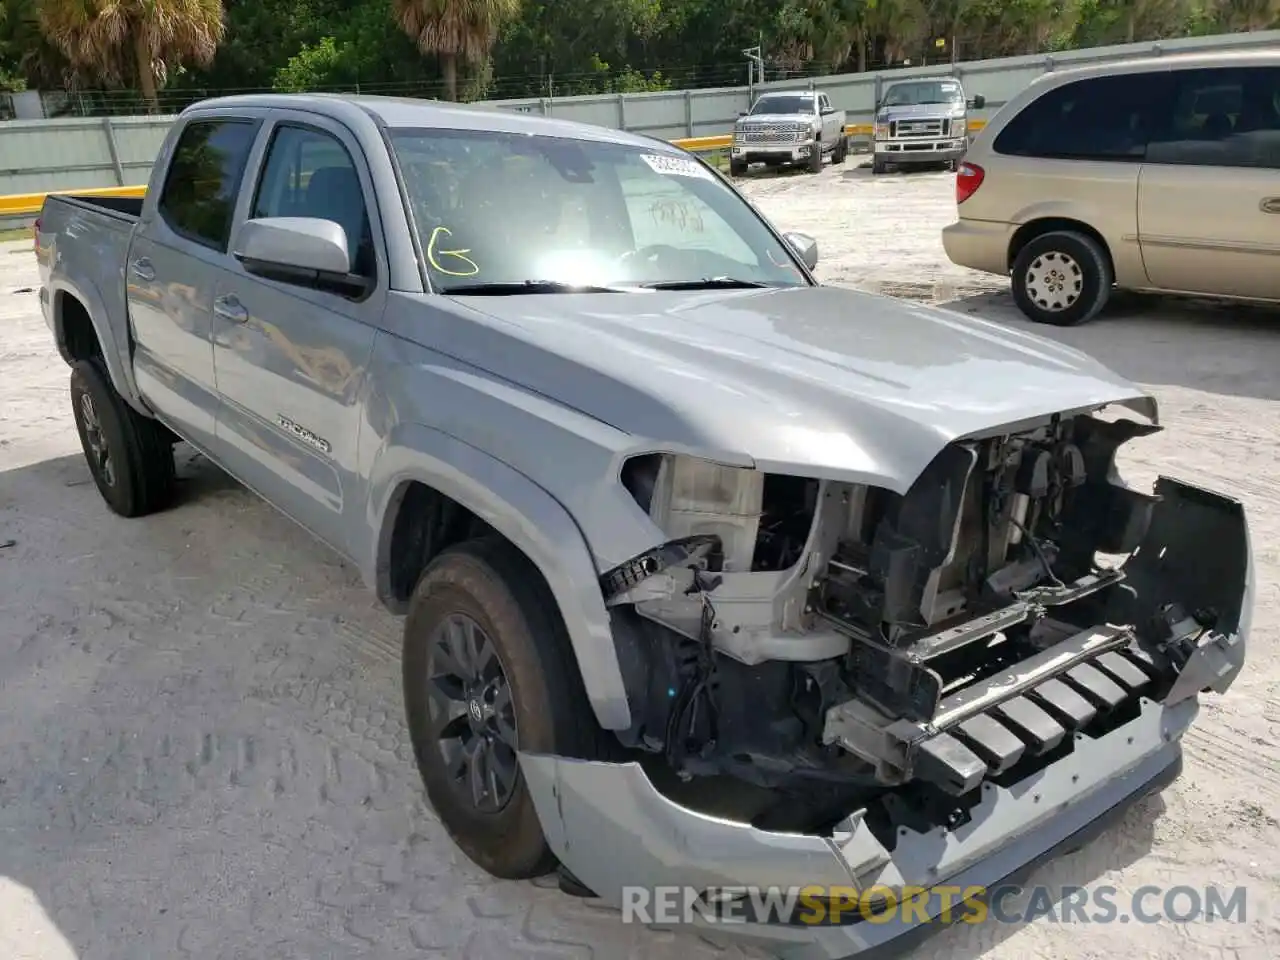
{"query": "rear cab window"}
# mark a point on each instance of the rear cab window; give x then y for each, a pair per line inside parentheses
(1098, 118)
(201, 186)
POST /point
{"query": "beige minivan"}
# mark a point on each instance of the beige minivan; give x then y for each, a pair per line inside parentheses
(1160, 174)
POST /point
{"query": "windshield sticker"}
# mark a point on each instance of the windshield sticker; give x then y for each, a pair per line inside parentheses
(469, 267)
(676, 166)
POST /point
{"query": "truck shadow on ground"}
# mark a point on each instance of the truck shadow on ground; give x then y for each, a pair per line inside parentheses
(1223, 348)
(202, 752)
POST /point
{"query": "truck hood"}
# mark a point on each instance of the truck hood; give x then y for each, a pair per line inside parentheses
(823, 381)
(766, 119)
(920, 111)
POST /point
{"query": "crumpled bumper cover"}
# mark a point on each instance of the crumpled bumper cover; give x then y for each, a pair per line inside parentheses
(612, 829)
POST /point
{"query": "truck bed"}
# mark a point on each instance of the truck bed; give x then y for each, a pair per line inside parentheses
(124, 208)
(82, 244)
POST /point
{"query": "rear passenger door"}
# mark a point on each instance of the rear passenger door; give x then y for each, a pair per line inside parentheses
(1209, 192)
(176, 254)
(291, 359)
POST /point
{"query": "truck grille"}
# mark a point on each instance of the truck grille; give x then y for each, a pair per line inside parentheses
(919, 128)
(770, 133)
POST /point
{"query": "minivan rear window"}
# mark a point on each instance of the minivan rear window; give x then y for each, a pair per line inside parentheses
(1099, 118)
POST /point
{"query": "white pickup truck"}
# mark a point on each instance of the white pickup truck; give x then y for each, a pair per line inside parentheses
(789, 126)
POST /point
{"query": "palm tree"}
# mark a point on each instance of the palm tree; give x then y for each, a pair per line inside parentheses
(454, 30)
(142, 39)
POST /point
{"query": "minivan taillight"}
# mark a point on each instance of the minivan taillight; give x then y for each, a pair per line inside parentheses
(968, 179)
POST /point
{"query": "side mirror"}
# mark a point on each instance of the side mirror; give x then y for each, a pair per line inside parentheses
(978, 101)
(302, 250)
(805, 246)
(742, 113)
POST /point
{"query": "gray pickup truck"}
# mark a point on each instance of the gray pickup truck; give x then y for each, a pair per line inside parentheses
(922, 121)
(712, 576)
(788, 127)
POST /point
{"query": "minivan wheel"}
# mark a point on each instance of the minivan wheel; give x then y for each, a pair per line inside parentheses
(488, 671)
(1061, 278)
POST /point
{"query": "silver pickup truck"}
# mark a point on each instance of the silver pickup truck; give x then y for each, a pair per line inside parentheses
(712, 576)
(922, 121)
(787, 127)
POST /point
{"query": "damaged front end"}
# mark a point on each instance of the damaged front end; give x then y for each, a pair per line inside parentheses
(881, 673)
(837, 662)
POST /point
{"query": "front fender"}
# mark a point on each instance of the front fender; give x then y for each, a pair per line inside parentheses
(528, 516)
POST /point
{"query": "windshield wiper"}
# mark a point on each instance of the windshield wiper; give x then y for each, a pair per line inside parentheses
(706, 283)
(518, 287)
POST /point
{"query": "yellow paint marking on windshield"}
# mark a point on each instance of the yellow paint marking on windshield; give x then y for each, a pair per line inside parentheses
(433, 254)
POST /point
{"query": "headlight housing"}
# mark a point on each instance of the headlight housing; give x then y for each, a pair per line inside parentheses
(882, 129)
(959, 127)
(686, 496)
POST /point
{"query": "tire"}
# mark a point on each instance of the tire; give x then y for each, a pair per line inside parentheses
(737, 169)
(129, 456)
(842, 150)
(878, 166)
(815, 158)
(489, 584)
(1062, 278)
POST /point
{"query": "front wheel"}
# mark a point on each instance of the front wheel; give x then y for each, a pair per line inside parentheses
(815, 158)
(130, 457)
(488, 671)
(878, 166)
(737, 168)
(842, 150)
(1062, 278)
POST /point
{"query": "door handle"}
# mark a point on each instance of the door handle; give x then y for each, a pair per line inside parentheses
(1270, 205)
(229, 308)
(142, 269)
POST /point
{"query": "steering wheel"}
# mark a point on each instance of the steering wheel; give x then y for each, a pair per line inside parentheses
(652, 253)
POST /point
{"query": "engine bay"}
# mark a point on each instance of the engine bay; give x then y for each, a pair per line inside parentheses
(824, 640)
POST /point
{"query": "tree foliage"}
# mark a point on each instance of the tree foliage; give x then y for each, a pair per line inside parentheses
(133, 41)
(473, 48)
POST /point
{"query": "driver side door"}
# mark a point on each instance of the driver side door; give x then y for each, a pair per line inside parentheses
(291, 360)
(831, 129)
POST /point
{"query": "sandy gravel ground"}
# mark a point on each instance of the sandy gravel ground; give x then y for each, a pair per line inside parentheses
(201, 744)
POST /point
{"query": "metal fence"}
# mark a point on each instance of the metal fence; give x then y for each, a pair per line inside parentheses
(46, 156)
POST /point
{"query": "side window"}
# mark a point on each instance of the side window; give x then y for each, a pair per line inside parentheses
(1227, 117)
(1100, 118)
(200, 189)
(309, 173)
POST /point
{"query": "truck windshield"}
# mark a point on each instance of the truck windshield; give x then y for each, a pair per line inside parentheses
(503, 212)
(783, 105)
(923, 91)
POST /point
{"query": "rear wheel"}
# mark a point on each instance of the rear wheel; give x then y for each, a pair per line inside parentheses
(130, 457)
(1062, 278)
(488, 671)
